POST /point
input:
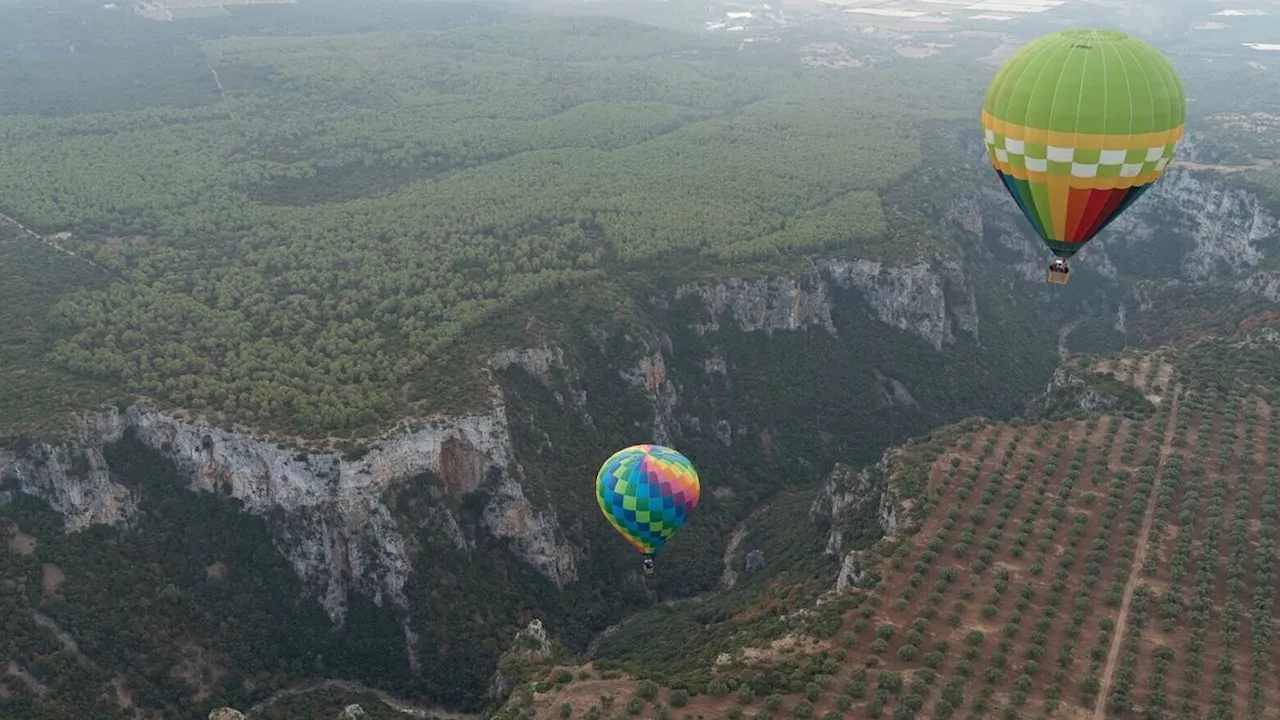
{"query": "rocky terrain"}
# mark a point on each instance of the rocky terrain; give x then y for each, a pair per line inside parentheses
(1106, 488)
(723, 368)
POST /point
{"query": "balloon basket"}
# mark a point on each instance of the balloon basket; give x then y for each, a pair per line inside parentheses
(1059, 277)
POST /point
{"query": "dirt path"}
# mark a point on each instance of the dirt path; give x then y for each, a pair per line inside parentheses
(730, 576)
(226, 104)
(1063, 333)
(1139, 555)
(1260, 164)
(68, 643)
(51, 244)
(391, 702)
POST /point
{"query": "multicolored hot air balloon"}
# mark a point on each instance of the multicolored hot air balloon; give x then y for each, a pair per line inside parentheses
(1079, 124)
(647, 492)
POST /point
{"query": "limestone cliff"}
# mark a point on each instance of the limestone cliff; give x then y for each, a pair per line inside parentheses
(672, 380)
(1220, 225)
(846, 501)
(341, 535)
(649, 376)
(72, 476)
(930, 299)
(1194, 224)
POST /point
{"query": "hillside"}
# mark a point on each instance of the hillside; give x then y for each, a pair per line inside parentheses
(312, 228)
(1101, 566)
(312, 233)
(325, 315)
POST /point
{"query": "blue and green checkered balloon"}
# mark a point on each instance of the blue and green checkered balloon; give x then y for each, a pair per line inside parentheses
(647, 492)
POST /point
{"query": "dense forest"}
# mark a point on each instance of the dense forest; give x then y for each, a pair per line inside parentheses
(298, 226)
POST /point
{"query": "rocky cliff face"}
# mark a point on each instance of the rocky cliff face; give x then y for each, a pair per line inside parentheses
(844, 503)
(72, 476)
(1075, 392)
(343, 531)
(930, 299)
(1195, 224)
(341, 535)
(1220, 226)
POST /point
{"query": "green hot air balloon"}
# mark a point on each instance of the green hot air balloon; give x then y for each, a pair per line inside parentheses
(1079, 124)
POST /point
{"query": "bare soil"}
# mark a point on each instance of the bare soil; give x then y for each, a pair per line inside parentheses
(51, 579)
(20, 542)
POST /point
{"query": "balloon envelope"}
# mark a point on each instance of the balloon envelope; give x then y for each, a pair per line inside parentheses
(1078, 125)
(647, 492)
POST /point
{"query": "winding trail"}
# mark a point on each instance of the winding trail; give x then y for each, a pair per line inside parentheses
(51, 244)
(68, 643)
(354, 687)
(1139, 556)
(728, 579)
(1063, 333)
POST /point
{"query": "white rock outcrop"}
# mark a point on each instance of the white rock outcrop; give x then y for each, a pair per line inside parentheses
(343, 535)
(932, 300)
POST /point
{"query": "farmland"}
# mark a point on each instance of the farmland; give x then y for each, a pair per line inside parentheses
(1094, 566)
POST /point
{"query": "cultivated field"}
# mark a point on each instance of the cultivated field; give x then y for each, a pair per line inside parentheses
(1097, 568)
